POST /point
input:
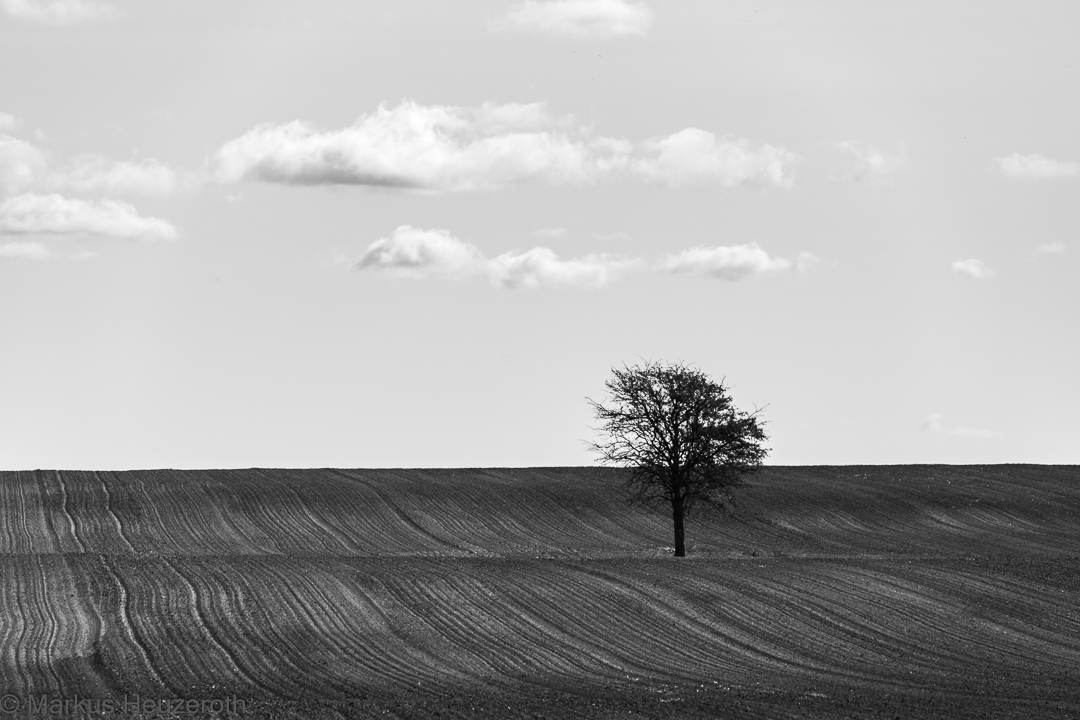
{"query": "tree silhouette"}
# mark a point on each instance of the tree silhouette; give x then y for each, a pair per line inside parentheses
(679, 436)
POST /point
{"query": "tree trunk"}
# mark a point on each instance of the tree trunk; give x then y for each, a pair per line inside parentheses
(677, 516)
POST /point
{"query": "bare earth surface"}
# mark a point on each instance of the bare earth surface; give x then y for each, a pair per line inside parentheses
(833, 592)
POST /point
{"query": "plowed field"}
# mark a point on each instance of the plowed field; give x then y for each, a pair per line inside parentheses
(832, 592)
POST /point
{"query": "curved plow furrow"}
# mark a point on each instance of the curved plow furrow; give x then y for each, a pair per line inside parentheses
(223, 524)
(47, 498)
(452, 611)
(648, 633)
(326, 585)
(347, 631)
(815, 637)
(295, 629)
(484, 522)
(140, 639)
(455, 524)
(48, 631)
(914, 629)
(701, 640)
(25, 525)
(272, 513)
(148, 505)
(1029, 623)
(110, 506)
(485, 626)
(273, 626)
(320, 502)
(921, 628)
(567, 512)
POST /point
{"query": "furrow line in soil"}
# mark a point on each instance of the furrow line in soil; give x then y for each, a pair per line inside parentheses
(130, 626)
(397, 661)
(67, 511)
(112, 512)
(697, 637)
(209, 625)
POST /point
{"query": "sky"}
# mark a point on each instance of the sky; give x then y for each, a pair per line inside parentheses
(406, 233)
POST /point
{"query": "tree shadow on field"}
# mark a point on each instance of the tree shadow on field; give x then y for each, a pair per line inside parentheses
(93, 674)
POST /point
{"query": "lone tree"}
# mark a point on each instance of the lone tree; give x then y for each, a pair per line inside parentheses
(679, 436)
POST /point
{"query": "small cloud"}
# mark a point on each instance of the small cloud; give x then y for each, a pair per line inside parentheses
(415, 253)
(973, 268)
(696, 157)
(20, 164)
(550, 232)
(730, 263)
(873, 165)
(23, 165)
(458, 149)
(577, 18)
(807, 262)
(29, 214)
(84, 256)
(59, 12)
(88, 173)
(1036, 167)
(412, 146)
(8, 122)
(617, 235)
(31, 250)
(541, 267)
(23, 211)
(1054, 248)
(933, 424)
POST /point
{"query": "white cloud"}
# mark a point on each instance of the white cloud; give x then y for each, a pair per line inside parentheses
(414, 253)
(933, 424)
(1054, 248)
(24, 211)
(550, 232)
(695, 157)
(444, 148)
(973, 268)
(806, 262)
(425, 147)
(88, 173)
(8, 122)
(32, 250)
(1036, 167)
(541, 267)
(54, 214)
(580, 18)
(23, 165)
(20, 164)
(59, 12)
(731, 263)
(872, 165)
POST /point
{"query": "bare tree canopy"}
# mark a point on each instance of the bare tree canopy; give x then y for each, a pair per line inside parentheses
(680, 437)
